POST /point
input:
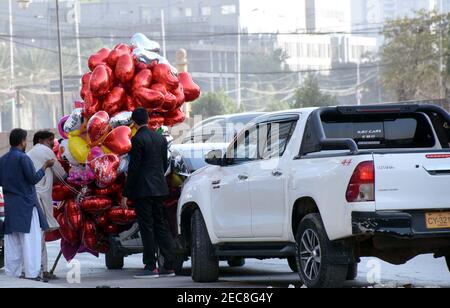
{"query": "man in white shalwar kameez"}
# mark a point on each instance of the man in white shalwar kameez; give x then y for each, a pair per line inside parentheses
(42, 151)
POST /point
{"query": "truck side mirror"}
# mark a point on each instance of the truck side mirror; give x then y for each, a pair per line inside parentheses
(215, 158)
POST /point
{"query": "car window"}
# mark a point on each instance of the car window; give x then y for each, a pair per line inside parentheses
(278, 137)
(245, 148)
(213, 131)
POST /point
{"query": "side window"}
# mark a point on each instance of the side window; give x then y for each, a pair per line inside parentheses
(278, 137)
(245, 147)
(210, 132)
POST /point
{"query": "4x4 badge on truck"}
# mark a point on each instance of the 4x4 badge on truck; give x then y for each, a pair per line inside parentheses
(346, 162)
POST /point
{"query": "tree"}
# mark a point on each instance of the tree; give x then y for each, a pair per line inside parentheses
(411, 56)
(310, 95)
(213, 104)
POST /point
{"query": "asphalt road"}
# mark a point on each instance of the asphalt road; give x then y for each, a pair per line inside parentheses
(424, 271)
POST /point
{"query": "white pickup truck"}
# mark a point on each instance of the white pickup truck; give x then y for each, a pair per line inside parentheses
(328, 186)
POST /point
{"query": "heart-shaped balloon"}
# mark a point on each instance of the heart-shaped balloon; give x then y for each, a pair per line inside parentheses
(150, 99)
(101, 80)
(71, 236)
(52, 236)
(170, 103)
(190, 88)
(162, 73)
(179, 94)
(121, 216)
(119, 140)
(94, 153)
(91, 106)
(140, 66)
(155, 122)
(114, 189)
(89, 235)
(62, 192)
(79, 150)
(85, 85)
(99, 58)
(105, 169)
(160, 87)
(139, 40)
(73, 215)
(61, 124)
(121, 119)
(174, 117)
(97, 127)
(131, 104)
(97, 204)
(142, 80)
(116, 53)
(125, 68)
(114, 101)
(74, 121)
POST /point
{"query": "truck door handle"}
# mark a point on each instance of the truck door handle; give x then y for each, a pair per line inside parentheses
(243, 177)
(277, 173)
(215, 182)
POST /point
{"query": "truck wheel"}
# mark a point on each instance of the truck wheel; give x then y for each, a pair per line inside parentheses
(292, 261)
(313, 249)
(205, 266)
(236, 262)
(352, 272)
(114, 262)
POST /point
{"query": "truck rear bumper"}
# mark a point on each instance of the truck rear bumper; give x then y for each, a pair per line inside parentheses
(407, 224)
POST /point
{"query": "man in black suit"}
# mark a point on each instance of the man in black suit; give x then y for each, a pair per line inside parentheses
(147, 186)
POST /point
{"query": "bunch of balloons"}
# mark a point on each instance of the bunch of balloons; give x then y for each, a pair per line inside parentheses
(97, 137)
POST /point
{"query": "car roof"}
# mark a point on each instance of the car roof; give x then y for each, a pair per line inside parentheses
(236, 115)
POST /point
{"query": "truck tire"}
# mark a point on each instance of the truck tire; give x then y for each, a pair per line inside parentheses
(236, 262)
(292, 261)
(114, 262)
(313, 249)
(205, 265)
(352, 272)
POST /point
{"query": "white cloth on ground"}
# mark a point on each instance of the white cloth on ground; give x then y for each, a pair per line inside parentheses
(23, 251)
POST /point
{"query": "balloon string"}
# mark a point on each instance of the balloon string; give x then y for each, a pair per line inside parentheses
(71, 188)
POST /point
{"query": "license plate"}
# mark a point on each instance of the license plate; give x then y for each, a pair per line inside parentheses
(438, 220)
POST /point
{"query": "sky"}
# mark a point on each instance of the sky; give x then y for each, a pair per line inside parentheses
(271, 15)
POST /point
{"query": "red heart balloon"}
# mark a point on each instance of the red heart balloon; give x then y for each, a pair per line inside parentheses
(131, 104)
(160, 87)
(52, 236)
(116, 53)
(121, 216)
(105, 169)
(125, 68)
(191, 89)
(85, 85)
(163, 74)
(71, 236)
(155, 122)
(114, 189)
(149, 99)
(62, 192)
(119, 140)
(97, 127)
(95, 205)
(179, 94)
(89, 235)
(101, 80)
(170, 103)
(141, 66)
(174, 117)
(142, 80)
(73, 215)
(98, 59)
(91, 105)
(114, 101)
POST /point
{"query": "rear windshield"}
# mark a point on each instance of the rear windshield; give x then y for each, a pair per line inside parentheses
(382, 132)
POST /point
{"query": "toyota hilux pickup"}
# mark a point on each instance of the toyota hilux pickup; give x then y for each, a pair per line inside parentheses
(323, 188)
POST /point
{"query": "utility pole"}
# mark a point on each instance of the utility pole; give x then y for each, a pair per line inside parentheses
(358, 82)
(77, 9)
(11, 54)
(163, 33)
(238, 80)
(61, 75)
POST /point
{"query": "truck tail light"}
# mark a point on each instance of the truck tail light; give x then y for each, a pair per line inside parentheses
(362, 184)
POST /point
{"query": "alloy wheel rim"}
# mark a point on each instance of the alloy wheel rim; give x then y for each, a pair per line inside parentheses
(310, 254)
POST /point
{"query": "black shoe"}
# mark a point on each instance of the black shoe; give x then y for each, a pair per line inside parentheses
(38, 279)
(166, 273)
(147, 274)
